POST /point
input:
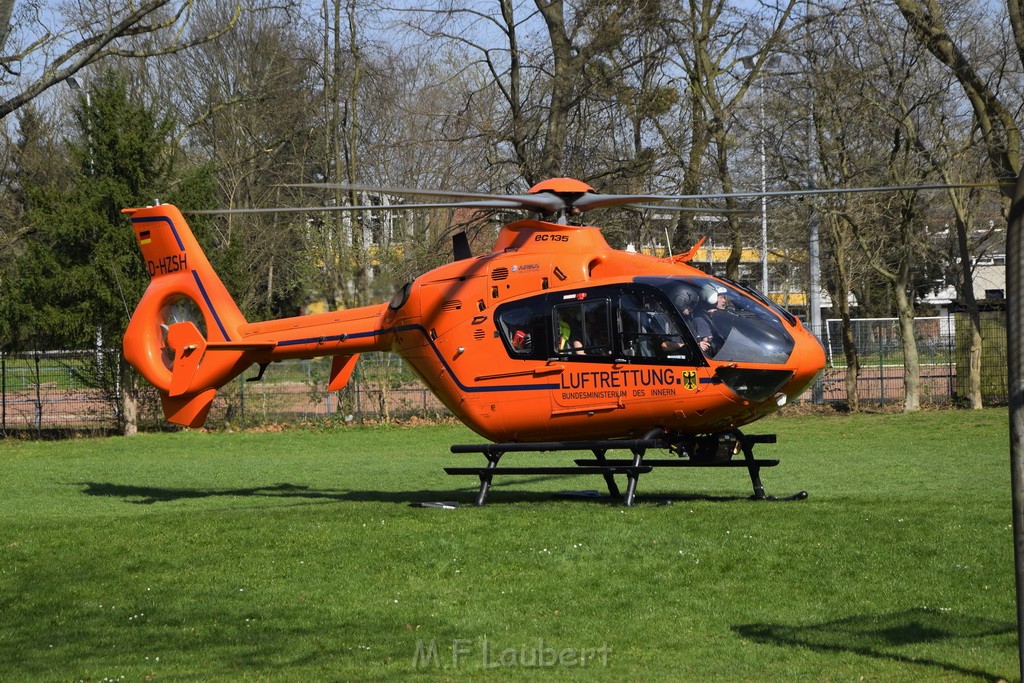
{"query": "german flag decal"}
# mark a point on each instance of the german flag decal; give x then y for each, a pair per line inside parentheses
(144, 237)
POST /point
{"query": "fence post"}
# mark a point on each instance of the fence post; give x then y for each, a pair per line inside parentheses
(3, 389)
(359, 405)
(241, 403)
(881, 371)
(39, 396)
(950, 339)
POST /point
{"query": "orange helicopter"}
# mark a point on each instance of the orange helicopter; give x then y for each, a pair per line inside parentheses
(553, 341)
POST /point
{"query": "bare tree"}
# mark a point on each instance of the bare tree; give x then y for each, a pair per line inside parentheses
(1001, 134)
(997, 122)
(44, 46)
(707, 37)
(860, 108)
(947, 143)
(551, 57)
(247, 113)
(897, 95)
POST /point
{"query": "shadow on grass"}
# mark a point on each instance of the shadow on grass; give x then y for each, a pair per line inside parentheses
(503, 492)
(878, 635)
(149, 495)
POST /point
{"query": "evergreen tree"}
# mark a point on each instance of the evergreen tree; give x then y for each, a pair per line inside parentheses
(83, 274)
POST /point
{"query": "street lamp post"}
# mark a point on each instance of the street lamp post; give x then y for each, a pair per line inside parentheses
(82, 87)
(749, 63)
(764, 203)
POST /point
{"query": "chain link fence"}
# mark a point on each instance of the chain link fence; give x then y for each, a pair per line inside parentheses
(48, 390)
(382, 388)
(943, 356)
(62, 391)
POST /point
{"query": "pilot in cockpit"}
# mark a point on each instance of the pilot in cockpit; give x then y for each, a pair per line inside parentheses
(689, 305)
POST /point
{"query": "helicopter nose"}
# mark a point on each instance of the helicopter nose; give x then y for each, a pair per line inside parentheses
(809, 357)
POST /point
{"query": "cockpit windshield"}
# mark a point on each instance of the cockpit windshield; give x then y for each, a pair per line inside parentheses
(727, 324)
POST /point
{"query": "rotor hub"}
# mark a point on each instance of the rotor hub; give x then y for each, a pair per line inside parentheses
(561, 186)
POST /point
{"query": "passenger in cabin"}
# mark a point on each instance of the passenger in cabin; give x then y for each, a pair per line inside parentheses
(595, 331)
(568, 337)
(521, 341)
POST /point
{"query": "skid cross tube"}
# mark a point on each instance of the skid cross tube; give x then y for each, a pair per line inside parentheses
(608, 468)
(494, 451)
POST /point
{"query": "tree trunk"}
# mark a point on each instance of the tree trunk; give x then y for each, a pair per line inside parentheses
(852, 366)
(839, 290)
(565, 74)
(685, 225)
(966, 290)
(129, 400)
(911, 363)
(974, 362)
(839, 252)
(361, 243)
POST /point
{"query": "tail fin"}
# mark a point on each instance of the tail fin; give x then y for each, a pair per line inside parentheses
(185, 310)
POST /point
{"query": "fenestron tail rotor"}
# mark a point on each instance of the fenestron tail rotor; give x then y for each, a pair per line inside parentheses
(177, 310)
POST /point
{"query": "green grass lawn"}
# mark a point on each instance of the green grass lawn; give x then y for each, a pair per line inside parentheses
(295, 555)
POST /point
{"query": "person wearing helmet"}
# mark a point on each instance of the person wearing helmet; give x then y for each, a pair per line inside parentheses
(687, 303)
(713, 296)
(717, 312)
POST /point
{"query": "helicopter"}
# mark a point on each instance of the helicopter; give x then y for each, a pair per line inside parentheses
(552, 341)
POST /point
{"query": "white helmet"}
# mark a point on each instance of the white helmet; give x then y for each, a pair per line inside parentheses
(709, 294)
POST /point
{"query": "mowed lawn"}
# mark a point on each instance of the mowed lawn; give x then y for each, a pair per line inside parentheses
(295, 555)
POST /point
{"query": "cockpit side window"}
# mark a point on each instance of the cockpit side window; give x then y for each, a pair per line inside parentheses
(524, 329)
(631, 323)
(729, 325)
(583, 328)
(651, 333)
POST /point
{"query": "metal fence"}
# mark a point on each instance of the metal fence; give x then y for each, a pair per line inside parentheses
(943, 355)
(51, 391)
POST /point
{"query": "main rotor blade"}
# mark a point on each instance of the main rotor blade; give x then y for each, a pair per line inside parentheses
(545, 202)
(684, 209)
(590, 201)
(593, 200)
(812, 192)
(496, 204)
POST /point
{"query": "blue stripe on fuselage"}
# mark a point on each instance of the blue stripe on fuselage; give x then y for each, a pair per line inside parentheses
(419, 328)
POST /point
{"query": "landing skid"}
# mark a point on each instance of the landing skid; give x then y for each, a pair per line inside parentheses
(608, 468)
